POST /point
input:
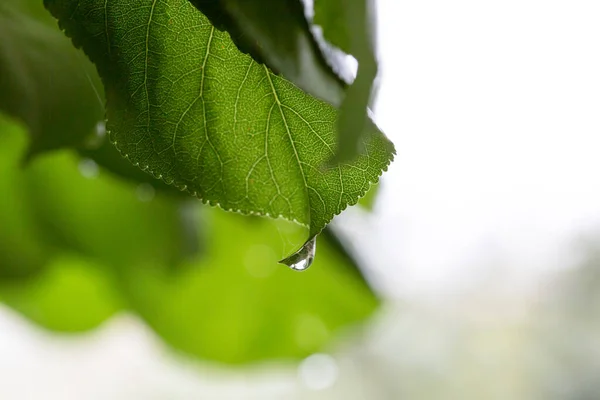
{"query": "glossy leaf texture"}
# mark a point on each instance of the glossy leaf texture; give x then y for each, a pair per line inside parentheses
(281, 33)
(186, 105)
(277, 33)
(44, 80)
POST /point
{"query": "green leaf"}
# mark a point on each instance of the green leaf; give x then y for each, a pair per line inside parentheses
(62, 102)
(22, 249)
(50, 206)
(277, 33)
(186, 105)
(331, 17)
(102, 248)
(236, 305)
(33, 9)
(45, 82)
(102, 217)
(50, 109)
(349, 24)
(71, 295)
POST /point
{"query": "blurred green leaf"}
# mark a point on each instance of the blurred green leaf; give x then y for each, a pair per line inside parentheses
(331, 17)
(82, 208)
(34, 9)
(44, 81)
(350, 25)
(50, 95)
(71, 204)
(105, 248)
(237, 305)
(276, 32)
(71, 295)
(186, 105)
(22, 249)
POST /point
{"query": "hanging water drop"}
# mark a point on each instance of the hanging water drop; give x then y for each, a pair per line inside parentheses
(302, 264)
(303, 258)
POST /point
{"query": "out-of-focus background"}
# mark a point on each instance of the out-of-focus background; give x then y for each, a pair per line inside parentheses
(480, 258)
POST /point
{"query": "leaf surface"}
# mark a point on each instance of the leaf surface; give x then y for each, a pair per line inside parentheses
(44, 81)
(186, 105)
(277, 33)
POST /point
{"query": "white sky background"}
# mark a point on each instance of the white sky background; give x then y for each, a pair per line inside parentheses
(494, 107)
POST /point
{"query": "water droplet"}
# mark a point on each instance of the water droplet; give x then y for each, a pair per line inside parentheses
(303, 258)
(318, 371)
(88, 168)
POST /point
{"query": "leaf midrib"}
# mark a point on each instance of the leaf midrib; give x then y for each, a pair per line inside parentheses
(146, 68)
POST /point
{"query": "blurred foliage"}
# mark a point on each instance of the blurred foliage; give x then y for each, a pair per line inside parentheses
(77, 244)
(44, 80)
(569, 329)
(350, 25)
(236, 304)
(21, 246)
(277, 33)
(84, 234)
(72, 294)
(100, 217)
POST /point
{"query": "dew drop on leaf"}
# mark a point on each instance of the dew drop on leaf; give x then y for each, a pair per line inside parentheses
(303, 258)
